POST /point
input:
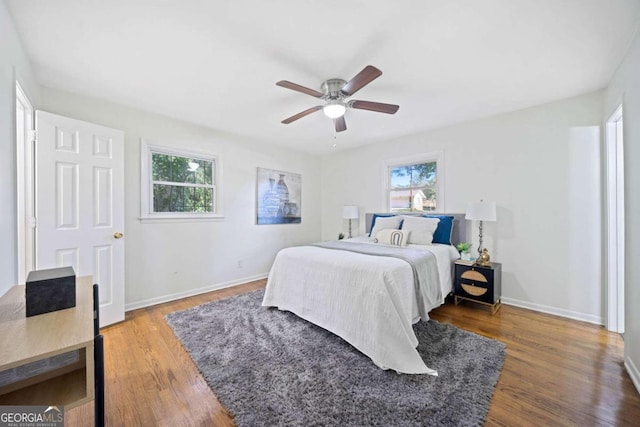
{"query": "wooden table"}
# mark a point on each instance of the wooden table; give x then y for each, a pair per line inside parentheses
(29, 346)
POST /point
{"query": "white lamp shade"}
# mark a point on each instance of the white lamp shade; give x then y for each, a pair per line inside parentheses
(334, 109)
(481, 211)
(350, 212)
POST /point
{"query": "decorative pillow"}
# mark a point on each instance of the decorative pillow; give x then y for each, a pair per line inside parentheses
(445, 227)
(421, 229)
(375, 217)
(382, 223)
(392, 237)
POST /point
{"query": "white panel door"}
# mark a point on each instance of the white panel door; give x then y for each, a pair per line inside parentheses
(80, 204)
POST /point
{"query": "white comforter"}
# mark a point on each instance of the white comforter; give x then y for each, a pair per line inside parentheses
(367, 300)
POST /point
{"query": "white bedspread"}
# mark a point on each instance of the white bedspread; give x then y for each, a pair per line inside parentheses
(367, 300)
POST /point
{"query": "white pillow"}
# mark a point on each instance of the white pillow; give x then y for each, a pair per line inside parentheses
(421, 229)
(385, 222)
(392, 237)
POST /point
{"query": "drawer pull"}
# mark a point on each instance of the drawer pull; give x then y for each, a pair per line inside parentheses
(476, 291)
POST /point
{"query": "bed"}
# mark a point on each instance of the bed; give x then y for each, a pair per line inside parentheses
(366, 292)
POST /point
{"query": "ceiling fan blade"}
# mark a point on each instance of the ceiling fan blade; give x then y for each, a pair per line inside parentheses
(363, 78)
(298, 88)
(340, 124)
(302, 114)
(374, 106)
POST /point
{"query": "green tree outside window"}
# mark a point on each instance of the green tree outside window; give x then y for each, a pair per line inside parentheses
(182, 184)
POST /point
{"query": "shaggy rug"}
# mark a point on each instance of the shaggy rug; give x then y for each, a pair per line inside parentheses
(271, 368)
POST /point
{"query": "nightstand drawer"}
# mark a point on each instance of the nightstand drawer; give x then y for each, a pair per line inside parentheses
(475, 290)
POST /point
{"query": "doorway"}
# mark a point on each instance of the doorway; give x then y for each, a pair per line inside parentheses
(25, 125)
(614, 154)
(70, 200)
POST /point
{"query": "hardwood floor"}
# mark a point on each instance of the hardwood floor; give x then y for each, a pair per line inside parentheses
(558, 372)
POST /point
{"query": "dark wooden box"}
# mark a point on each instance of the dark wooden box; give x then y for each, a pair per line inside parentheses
(50, 290)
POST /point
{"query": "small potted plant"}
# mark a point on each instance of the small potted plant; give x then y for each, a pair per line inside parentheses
(464, 248)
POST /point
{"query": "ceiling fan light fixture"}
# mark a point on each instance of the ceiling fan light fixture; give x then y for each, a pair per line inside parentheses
(335, 94)
(334, 109)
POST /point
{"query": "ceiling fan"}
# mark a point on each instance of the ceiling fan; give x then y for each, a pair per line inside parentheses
(335, 92)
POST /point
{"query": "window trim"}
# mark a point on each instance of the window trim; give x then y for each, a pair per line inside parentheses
(434, 156)
(147, 148)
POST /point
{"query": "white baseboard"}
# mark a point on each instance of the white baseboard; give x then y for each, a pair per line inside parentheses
(509, 301)
(590, 318)
(192, 292)
(633, 372)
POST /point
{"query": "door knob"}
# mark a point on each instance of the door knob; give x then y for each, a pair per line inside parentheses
(118, 235)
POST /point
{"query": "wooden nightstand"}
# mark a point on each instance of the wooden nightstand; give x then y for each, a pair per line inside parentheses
(32, 345)
(478, 284)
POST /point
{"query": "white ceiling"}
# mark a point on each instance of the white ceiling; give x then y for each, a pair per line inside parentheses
(216, 63)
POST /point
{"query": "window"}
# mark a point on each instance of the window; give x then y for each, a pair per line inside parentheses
(179, 183)
(414, 184)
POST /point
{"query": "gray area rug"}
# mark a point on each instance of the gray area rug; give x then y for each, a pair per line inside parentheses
(271, 368)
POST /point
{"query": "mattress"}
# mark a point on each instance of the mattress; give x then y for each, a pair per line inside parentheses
(369, 301)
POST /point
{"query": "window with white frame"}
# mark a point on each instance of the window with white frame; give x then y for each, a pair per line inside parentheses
(415, 184)
(179, 183)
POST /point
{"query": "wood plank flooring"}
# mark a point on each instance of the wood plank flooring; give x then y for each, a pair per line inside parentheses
(558, 372)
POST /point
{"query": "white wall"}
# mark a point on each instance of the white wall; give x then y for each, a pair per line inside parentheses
(625, 89)
(169, 260)
(541, 166)
(13, 65)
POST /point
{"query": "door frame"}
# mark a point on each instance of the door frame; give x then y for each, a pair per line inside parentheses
(614, 214)
(25, 182)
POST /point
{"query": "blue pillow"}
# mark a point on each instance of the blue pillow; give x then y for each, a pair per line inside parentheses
(373, 221)
(445, 227)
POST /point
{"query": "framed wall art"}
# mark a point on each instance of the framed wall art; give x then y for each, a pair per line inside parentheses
(279, 197)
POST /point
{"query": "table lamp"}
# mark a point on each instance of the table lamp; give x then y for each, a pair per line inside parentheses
(481, 211)
(350, 212)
